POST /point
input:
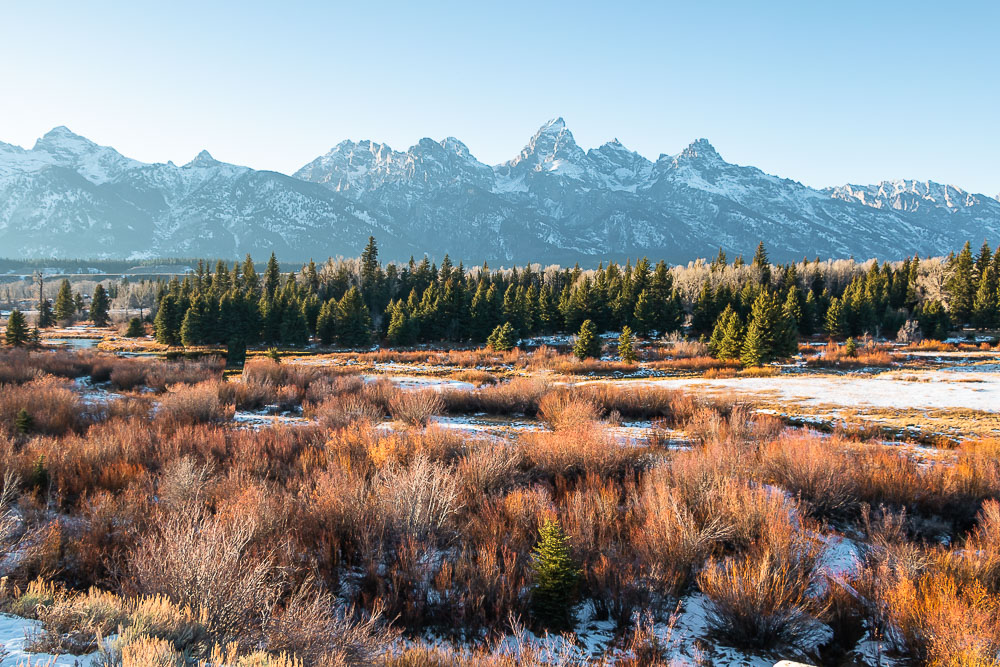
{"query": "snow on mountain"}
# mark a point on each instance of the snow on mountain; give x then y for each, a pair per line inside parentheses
(69, 197)
(553, 202)
(909, 196)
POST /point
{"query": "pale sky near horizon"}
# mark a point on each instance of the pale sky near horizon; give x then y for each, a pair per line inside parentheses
(824, 93)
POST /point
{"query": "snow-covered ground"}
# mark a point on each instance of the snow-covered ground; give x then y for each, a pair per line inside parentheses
(263, 419)
(902, 389)
(14, 631)
(421, 382)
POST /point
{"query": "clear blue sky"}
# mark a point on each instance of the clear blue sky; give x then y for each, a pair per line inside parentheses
(823, 92)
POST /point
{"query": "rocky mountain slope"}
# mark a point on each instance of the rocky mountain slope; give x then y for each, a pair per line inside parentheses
(553, 202)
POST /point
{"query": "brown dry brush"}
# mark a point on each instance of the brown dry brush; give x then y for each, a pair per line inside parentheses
(252, 530)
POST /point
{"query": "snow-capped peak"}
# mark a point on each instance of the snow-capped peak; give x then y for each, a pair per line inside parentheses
(99, 164)
(62, 140)
(907, 195)
(203, 159)
(552, 149)
(701, 149)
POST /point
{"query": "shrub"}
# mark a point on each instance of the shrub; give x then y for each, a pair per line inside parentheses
(419, 499)
(74, 623)
(53, 407)
(485, 470)
(818, 471)
(194, 404)
(203, 563)
(344, 411)
(315, 629)
(671, 541)
(416, 407)
(940, 623)
(574, 451)
(760, 599)
(561, 410)
(516, 396)
(637, 401)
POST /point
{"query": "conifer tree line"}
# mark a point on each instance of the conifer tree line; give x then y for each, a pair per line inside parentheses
(70, 306)
(754, 312)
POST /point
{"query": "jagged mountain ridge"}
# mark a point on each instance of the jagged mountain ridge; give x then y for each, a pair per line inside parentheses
(69, 197)
(553, 202)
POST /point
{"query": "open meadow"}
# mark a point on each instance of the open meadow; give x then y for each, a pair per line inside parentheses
(472, 507)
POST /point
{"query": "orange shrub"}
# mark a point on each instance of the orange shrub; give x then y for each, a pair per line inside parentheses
(54, 408)
(190, 404)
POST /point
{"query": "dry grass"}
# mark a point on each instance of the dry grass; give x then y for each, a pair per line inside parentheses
(760, 600)
(416, 407)
(692, 364)
(193, 404)
(243, 545)
(516, 396)
(760, 372)
(561, 410)
(869, 355)
(719, 373)
(54, 408)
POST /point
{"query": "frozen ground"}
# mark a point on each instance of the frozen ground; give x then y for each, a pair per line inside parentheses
(421, 382)
(13, 633)
(953, 389)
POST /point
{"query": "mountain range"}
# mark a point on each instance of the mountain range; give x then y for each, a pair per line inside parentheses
(552, 203)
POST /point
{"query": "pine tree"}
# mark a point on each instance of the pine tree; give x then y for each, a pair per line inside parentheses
(400, 331)
(555, 578)
(24, 423)
(760, 344)
(834, 325)
(17, 329)
(961, 286)
(549, 317)
(762, 264)
(727, 337)
(625, 350)
(503, 338)
(250, 279)
(810, 311)
(354, 324)
(326, 323)
(704, 311)
(934, 320)
(272, 277)
(164, 322)
(294, 330)
(65, 308)
(512, 309)
(787, 342)
(45, 317)
(192, 327)
(99, 305)
(983, 259)
(644, 313)
(984, 308)
(588, 343)
(369, 263)
(135, 328)
(851, 347)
